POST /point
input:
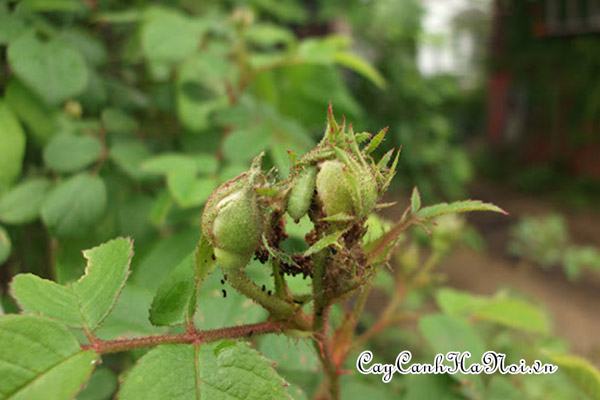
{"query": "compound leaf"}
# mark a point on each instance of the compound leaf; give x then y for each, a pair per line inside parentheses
(87, 301)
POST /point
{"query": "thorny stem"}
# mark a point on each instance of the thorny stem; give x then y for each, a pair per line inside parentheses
(276, 306)
(318, 284)
(190, 337)
(320, 319)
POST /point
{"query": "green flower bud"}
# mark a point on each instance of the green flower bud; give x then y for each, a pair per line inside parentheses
(301, 194)
(350, 190)
(233, 223)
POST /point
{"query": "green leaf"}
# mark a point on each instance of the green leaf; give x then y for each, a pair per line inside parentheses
(515, 313)
(581, 372)
(74, 205)
(52, 69)
(361, 67)
(162, 256)
(5, 245)
(265, 34)
(129, 156)
(189, 191)
(40, 359)
(101, 386)
(23, 202)
(45, 297)
(171, 302)
(54, 5)
(105, 275)
(438, 387)
(458, 303)
(500, 309)
(117, 121)
(165, 163)
(502, 388)
(415, 201)
(324, 242)
(70, 153)
(176, 296)
(223, 370)
(457, 207)
(37, 116)
(12, 146)
(201, 88)
(168, 36)
(216, 311)
(129, 315)
(376, 141)
(446, 333)
(87, 301)
(355, 388)
(290, 354)
(243, 144)
(11, 24)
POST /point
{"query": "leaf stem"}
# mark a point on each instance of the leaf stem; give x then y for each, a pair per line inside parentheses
(278, 307)
(320, 325)
(189, 337)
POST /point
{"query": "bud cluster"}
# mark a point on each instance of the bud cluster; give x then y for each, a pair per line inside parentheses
(337, 184)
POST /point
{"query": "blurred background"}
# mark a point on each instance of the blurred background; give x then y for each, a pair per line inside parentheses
(119, 118)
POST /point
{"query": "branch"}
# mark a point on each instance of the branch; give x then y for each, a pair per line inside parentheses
(383, 242)
(191, 337)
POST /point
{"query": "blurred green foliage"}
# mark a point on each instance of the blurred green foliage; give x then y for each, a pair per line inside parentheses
(546, 242)
(121, 120)
(425, 114)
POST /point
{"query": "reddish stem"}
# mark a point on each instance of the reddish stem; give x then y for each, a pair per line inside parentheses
(190, 337)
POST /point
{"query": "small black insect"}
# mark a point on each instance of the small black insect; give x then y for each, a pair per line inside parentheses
(222, 281)
(269, 292)
(263, 288)
(213, 257)
(224, 292)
